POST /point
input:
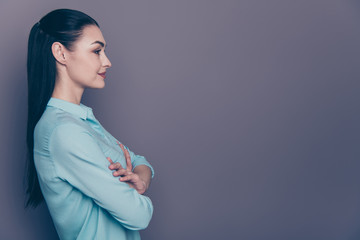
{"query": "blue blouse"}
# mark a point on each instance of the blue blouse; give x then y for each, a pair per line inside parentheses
(84, 199)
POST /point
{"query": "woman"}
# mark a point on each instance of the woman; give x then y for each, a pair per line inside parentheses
(92, 184)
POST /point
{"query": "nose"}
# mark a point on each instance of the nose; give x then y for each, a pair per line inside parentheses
(106, 62)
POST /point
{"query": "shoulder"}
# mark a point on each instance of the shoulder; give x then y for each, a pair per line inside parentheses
(69, 134)
(57, 123)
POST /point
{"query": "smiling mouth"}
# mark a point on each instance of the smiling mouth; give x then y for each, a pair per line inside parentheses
(102, 74)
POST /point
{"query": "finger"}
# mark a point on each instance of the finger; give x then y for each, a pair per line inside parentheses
(122, 148)
(116, 165)
(121, 172)
(129, 178)
(127, 157)
(121, 145)
(128, 160)
(109, 159)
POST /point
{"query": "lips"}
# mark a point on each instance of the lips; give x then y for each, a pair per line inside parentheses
(102, 74)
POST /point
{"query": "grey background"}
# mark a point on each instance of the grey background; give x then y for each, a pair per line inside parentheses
(248, 110)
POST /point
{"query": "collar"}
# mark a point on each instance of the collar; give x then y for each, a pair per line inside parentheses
(81, 110)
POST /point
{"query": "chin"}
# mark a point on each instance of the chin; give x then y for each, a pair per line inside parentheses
(99, 84)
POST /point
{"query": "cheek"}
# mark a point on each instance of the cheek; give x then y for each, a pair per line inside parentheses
(84, 67)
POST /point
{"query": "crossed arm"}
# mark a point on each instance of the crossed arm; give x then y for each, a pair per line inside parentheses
(77, 160)
(139, 178)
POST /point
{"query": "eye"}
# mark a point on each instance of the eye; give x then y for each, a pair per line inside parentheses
(97, 51)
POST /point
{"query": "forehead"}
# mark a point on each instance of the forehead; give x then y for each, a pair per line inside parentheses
(91, 34)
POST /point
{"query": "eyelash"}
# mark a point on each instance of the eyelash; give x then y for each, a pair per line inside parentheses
(97, 51)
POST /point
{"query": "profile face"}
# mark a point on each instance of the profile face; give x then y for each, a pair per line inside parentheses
(88, 59)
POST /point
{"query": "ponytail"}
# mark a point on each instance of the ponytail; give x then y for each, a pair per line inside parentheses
(64, 26)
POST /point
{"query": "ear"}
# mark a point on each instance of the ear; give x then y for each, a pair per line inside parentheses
(58, 50)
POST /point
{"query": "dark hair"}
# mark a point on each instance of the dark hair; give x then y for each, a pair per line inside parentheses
(60, 25)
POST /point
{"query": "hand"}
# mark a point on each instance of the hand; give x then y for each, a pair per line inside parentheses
(127, 175)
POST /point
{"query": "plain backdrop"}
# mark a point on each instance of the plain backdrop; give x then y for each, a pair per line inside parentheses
(248, 111)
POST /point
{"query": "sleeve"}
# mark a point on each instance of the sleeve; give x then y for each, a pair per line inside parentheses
(79, 160)
(136, 160)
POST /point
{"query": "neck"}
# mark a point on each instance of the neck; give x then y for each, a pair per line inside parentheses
(67, 91)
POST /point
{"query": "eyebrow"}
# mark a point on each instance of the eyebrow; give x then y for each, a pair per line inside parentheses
(99, 42)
